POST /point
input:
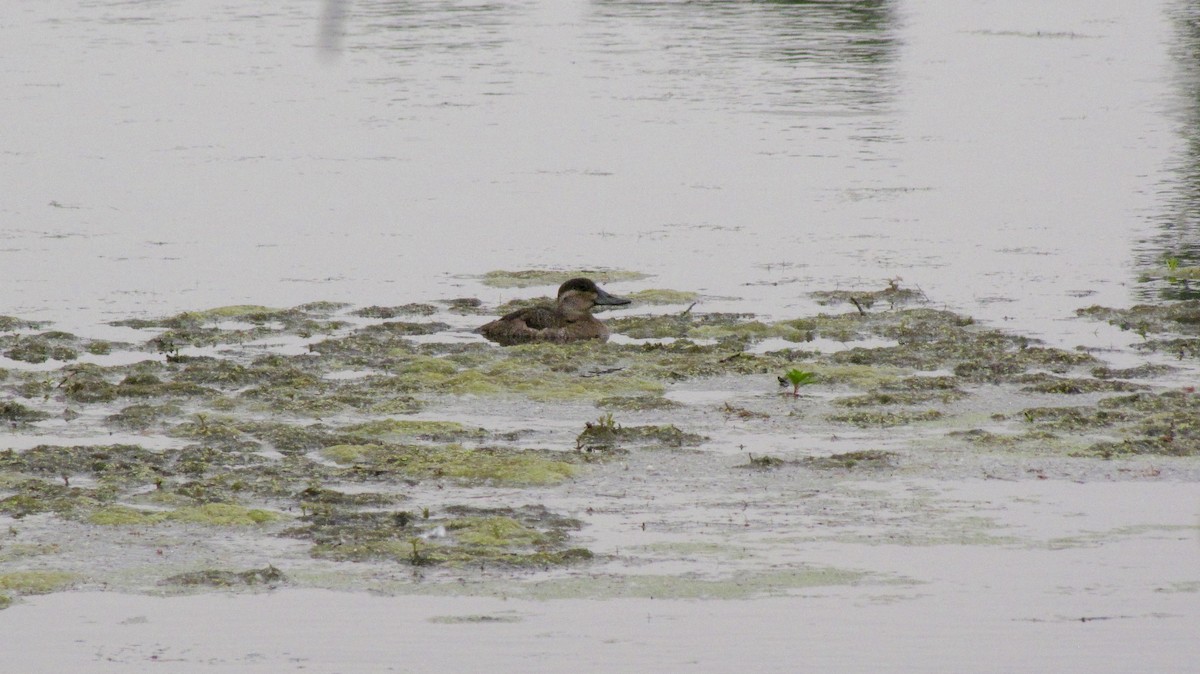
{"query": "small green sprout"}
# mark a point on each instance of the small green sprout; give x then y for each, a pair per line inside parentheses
(799, 378)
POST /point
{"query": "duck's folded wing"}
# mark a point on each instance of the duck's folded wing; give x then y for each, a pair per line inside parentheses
(537, 318)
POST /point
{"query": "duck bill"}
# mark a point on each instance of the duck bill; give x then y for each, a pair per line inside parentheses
(605, 299)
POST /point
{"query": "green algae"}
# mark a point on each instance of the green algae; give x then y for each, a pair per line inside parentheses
(1075, 418)
(205, 328)
(605, 434)
(392, 312)
(484, 465)
(511, 537)
(40, 348)
(16, 413)
(209, 514)
(10, 552)
(637, 403)
(544, 372)
(473, 619)
(1175, 317)
(37, 582)
(143, 416)
(121, 516)
(893, 295)
(35, 496)
(882, 419)
(877, 398)
(1166, 424)
(663, 296)
(314, 496)
(398, 430)
(12, 324)
(222, 515)
(268, 575)
(862, 459)
(555, 277)
(1144, 371)
(1044, 383)
(235, 405)
(683, 325)
(869, 459)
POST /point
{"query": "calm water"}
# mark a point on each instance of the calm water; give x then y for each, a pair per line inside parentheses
(1016, 160)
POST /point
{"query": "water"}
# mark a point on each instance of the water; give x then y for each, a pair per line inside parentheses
(1016, 160)
(1013, 160)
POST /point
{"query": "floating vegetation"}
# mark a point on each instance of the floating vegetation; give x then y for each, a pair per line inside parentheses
(638, 403)
(268, 575)
(1166, 424)
(15, 413)
(864, 459)
(1043, 383)
(42, 347)
(36, 582)
(459, 535)
(485, 465)
(392, 312)
(1176, 317)
(881, 419)
(662, 296)
(305, 434)
(400, 430)
(606, 434)
(892, 296)
(209, 514)
(552, 277)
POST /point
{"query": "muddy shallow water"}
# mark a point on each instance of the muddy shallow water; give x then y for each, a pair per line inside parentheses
(972, 224)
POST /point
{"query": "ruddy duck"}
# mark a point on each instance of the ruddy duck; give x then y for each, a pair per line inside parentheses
(568, 320)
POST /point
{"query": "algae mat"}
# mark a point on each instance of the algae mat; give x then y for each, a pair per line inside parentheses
(696, 455)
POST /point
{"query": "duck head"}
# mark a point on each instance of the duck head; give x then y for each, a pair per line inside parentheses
(577, 297)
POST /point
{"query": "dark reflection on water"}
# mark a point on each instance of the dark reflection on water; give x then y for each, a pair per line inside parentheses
(819, 58)
(434, 26)
(1178, 237)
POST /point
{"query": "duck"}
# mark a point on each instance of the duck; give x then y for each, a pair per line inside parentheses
(569, 319)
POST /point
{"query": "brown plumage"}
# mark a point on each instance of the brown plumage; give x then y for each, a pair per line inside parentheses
(569, 319)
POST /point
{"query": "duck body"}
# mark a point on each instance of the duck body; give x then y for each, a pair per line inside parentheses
(569, 319)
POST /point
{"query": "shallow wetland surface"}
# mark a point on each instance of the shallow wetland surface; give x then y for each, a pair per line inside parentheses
(878, 404)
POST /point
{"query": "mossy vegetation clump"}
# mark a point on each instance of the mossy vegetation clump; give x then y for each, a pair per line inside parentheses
(885, 419)
(401, 430)
(37, 582)
(35, 496)
(14, 412)
(555, 277)
(1166, 424)
(456, 536)
(468, 466)
(392, 312)
(1181, 317)
(663, 296)
(220, 578)
(867, 459)
(306, 433)
(892, 296)
(53, 345)
(1044, 383)
(606, 434)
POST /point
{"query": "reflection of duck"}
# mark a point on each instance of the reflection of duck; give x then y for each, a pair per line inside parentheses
(569, 320)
